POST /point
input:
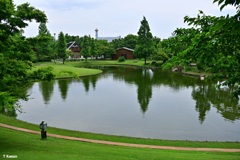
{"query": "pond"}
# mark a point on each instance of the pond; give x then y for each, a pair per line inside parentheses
(135, 102)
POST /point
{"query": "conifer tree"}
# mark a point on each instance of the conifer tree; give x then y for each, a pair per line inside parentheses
(45, 43)
(145, 45)
(86, 47)
(62, 47)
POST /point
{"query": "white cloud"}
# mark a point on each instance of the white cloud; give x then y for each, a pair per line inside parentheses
(118, 17)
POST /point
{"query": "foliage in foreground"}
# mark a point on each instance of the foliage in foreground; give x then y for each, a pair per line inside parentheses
(16, 54)
(213, 44)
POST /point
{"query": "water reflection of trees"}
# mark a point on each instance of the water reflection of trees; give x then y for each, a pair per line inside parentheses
(145, 79)
(202, 105)
(207, 95)
(227, 105)
(204, 93)
(90, 80)
(46, 88)
(63, 87)
(23, 95)
(139, 77)
(144, 90)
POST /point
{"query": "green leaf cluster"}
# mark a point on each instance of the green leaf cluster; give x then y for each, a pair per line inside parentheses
(129, 41)
(44, 73)
(16, 54)
(103, 48)
(213, 44)
(224, 3)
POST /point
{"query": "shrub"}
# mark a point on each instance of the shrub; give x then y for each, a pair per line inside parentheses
(121, 59)
(45, 73)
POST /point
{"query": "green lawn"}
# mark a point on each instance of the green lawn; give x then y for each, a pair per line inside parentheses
(67, 70)
(82, 68)
(195, 144)
(29, 146)
(131, 62)
(139, 63)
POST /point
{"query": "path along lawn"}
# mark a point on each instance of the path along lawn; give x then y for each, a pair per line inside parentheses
(195, 144)
(29, 146)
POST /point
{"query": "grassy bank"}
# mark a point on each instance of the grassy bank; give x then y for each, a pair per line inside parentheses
(28, 146)
(79, 68)
(67, 70)
(139, 63)
(194, 144)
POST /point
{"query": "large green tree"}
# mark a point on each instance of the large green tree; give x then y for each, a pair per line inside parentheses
(104, 49)
(215, 46)
(93, 47)
(15, 51)
(45, 44)
(117, 43)
(70, 38)
(129, 41)
(145, 45)
(13, 19)
(176, 45)
(62, 47)
(86, 47)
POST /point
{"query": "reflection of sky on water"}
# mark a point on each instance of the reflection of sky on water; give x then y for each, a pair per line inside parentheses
(112, 107)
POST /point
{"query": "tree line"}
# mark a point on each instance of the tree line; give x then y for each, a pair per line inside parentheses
(48, 47)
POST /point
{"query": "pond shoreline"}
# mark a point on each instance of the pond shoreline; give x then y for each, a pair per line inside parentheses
(178, 143)
(88, 65)
(123, 144)
(136, 66)
(131, 79)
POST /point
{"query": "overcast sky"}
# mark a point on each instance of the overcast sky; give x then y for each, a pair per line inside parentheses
(118, 17)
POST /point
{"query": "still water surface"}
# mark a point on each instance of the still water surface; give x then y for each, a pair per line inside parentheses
(136, 102)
